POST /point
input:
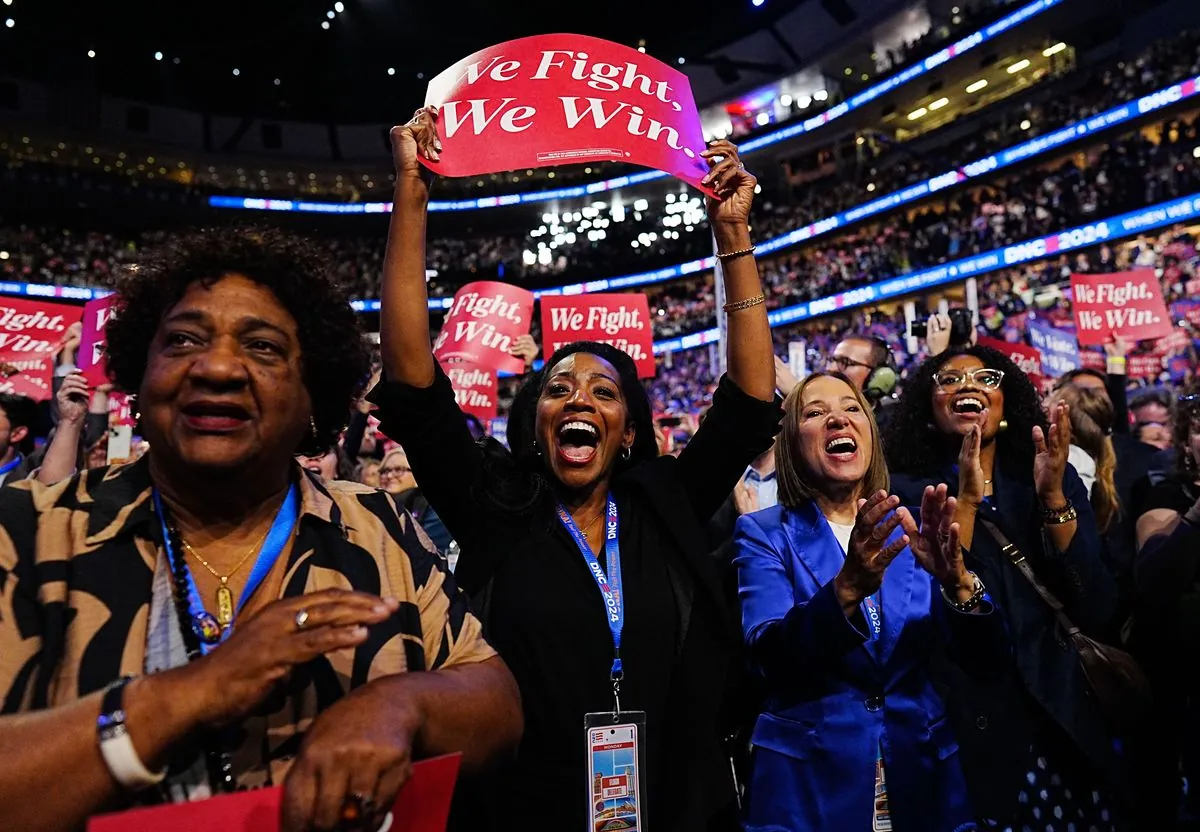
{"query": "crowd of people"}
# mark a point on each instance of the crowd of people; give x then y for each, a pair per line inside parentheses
(886, 580)
(57, 255)
(832, 604)
(1140, 169)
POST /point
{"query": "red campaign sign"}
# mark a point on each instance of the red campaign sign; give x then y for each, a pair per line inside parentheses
(475, 389)
(423, 806)
(31, 377)
(92, 342)
(120, 409)
(1125, 303)
(620, 320)
(1093, 360)
(484, 321)
(1028, 359)
(564, 99)
(1174, 342)
(33, 327)
(1147, 365)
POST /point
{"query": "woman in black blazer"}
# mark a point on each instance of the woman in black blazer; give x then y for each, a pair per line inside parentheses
(583, 472)
(1035, 746)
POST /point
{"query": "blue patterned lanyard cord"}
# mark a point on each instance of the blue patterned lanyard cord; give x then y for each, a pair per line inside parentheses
(874, 613)
(202, 622)
(9, 466)
(608, 581)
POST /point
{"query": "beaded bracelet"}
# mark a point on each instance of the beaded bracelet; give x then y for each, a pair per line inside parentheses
(736, 305)
(729, 255)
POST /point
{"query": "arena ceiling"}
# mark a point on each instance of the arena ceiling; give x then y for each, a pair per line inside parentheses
(275, 58)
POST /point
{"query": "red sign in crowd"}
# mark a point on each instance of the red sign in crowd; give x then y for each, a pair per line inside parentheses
(1129, 304)
(475, 389)
(620, 320)
(92, 341)
(483, 323)
(1028, 359)
(564, 99)
(31, 332)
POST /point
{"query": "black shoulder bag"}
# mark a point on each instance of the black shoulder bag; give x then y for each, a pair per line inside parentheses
(1115, 677)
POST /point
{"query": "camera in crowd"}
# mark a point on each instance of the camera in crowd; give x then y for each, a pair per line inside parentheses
(962, 324)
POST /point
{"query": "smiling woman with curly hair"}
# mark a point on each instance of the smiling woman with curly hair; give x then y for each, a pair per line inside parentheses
(232, 620)
(1035, 746)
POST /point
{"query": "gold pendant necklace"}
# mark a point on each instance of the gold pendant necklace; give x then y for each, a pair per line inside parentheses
(224, 595)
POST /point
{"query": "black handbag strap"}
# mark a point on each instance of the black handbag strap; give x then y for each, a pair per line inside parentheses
(1010, 551)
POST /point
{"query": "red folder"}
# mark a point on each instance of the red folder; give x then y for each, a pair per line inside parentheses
(423, 806)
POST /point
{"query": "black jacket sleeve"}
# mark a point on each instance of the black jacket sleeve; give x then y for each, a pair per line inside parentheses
(445, 459)
(737, 429)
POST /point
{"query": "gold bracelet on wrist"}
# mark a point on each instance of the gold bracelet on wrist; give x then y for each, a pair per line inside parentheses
(729, 255)
(737, 305)
(1059, 516)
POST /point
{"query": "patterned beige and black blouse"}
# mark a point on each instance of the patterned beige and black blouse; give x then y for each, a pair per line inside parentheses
(77, 563)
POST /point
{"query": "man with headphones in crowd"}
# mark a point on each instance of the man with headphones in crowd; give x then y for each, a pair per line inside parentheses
(869, 363)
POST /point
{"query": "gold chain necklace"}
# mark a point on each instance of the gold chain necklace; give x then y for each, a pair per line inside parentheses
(224, 593)
(583, 529)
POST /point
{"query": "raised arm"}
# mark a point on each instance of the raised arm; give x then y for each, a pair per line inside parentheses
(404, 317)
(63, 451)
(751, 357)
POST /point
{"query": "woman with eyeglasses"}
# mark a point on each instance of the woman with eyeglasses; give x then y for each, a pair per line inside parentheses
(1168, 580)
(396, 478)
(1035, 747)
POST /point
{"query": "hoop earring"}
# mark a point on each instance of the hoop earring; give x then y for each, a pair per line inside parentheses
(625, 454)
(536, 450)
(1003, 426)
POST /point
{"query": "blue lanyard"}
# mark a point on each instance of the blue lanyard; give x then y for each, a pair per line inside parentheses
(272, 548)
(873, 609)
(874, 613)
(8, 466)
(610, 583)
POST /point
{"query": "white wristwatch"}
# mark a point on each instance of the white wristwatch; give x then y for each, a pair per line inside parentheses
(115, 745)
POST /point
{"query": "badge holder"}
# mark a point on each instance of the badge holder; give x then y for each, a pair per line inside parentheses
(616, 739)
(616, 746)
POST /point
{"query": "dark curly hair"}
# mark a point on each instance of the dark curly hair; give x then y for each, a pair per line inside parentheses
(517, 481)
(914, 446)
(334, 357)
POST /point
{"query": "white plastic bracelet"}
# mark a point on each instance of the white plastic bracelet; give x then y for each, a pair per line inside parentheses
(116, 747)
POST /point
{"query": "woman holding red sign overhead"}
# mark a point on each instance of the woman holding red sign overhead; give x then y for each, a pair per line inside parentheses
(586, 546)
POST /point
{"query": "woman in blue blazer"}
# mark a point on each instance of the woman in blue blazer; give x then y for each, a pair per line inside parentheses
(846, 604)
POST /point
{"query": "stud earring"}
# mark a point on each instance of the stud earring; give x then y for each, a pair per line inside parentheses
(1003, 426)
